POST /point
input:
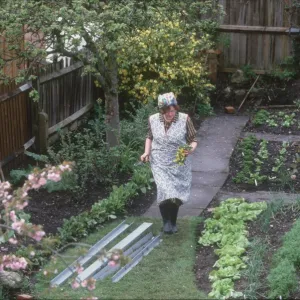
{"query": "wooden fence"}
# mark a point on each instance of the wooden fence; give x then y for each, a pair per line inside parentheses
(15, 124)
(65, 95)
(257, 32)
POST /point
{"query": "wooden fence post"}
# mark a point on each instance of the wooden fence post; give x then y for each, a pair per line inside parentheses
(42, 134)
(213, 64)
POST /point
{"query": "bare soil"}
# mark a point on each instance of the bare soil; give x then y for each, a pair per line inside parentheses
(265, 128)
(280, 181)
(50, 209)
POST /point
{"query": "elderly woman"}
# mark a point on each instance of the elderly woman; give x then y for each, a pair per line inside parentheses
(168, 130)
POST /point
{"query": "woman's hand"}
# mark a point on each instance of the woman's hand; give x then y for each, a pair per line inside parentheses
(193, 146)
(145, 157)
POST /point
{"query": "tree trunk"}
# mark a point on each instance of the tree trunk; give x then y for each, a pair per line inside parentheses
(112, 119)
(112, 105)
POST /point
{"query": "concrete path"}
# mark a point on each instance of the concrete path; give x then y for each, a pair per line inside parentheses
(217, 137)
(274, 137)
(259, 196)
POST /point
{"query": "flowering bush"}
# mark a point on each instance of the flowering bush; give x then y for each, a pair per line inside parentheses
(13, 226)
(165, 57)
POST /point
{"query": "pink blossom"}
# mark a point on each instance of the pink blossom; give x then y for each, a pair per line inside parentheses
(18, 225)
(54, 177)
(37, 235)
(13, 241)
(84, 283)
(31, 177)
(75, 284)
(21, 206)
(12, 215)
(13, 262)
(42, 181)
(24, 195)
(112, 263)
(91, 287)
(79, 269)
(115, 257)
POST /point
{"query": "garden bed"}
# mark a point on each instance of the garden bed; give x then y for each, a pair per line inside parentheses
(50, 209)
(271, 168)
(275, 121)
(268, 229)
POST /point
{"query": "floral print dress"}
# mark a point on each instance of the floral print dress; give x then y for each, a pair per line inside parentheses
(172, 180)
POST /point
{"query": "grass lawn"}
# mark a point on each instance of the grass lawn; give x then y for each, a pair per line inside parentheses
(166, 273)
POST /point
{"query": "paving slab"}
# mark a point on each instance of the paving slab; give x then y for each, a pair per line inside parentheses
(201, 196)
(273, 137)
(208, 178)
(207, 163)
(259, 196)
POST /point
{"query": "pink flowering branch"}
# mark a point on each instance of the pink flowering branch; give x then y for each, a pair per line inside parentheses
(17, 201)
(12, 226)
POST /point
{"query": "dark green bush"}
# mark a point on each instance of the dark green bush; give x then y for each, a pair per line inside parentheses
(261, 117)
(282, 280)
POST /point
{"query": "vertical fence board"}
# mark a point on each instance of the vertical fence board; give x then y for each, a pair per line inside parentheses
(262, 50)
(59, 98)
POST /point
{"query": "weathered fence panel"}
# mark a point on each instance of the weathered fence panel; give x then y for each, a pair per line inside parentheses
(257, 32)
(15, 124)
(63, 92)
(65, 95)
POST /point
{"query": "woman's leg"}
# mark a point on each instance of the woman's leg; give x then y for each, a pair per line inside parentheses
(164, 208)
(174, 207)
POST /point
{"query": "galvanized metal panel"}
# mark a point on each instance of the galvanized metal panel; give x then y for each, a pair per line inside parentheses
(93, 251)
(137, 258)
(122, 245)
(131, 252)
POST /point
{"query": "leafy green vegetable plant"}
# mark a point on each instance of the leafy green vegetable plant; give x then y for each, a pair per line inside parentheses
(261, 117)
(227, 230)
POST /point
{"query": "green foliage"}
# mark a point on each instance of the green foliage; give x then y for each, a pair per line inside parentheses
(272, 208)
(252, 163)
(283, 278)
(17, 176)
(94, 164)
(227, 229)
(283, 75)
(279, 161)
(248, 72)
(68, 182)
(255, 268)
(79, 226)
(134, 128)
(126, 42)
(204, 109)
(261, 117)
(165, 57)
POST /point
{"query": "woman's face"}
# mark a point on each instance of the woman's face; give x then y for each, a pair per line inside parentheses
(170, 113)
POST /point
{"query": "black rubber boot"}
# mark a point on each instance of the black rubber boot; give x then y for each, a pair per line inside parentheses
(174, 207)
(165, 213)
